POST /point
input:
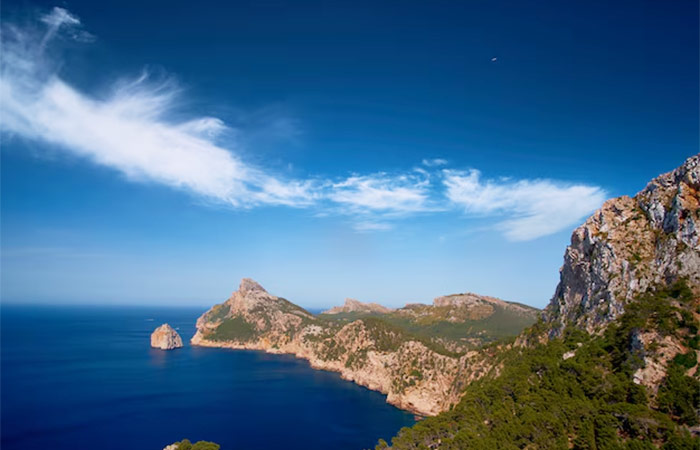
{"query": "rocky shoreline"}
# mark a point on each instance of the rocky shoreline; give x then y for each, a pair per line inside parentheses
(421, 401)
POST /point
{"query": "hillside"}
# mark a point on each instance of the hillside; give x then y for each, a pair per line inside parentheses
(419, 355)
(459, 322)
(614, 363)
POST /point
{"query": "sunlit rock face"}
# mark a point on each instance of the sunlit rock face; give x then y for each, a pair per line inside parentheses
(165, 338)
(628, 246)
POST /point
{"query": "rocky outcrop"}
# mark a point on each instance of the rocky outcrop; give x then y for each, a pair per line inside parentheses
(628, 246)
(656, 352)
(165, 338)
(368, 351)
(355, 306)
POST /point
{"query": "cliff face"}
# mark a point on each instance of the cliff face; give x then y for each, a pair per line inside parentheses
(414, 373)
(628, 246)
(165, 338)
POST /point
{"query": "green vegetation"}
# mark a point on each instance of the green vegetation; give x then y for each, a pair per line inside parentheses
(218, 312)
(501, 324)
(435, 326)
(233, 329)
(679, 396)
(431, 327)
(588, 401)
(389, 337)
(185, 444)
(289, 307)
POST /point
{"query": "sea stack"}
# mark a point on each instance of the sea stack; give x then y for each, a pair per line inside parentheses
(165, 338)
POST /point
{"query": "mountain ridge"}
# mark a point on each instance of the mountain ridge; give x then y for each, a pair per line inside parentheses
(373, 347)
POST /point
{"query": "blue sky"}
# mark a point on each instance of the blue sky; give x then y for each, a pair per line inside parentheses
(157, 152)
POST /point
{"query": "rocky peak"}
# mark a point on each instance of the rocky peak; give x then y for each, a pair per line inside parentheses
(352, 305)
(628, 246)
(249, 285)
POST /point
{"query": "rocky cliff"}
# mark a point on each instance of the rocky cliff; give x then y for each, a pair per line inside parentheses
(415, 373)
(165, 338)
(628, 246)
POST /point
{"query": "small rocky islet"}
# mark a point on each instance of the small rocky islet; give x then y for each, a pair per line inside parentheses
(165, 338)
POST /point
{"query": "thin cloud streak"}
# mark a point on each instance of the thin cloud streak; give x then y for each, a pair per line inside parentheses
(527, 209)
(383, 193)
(435, 162)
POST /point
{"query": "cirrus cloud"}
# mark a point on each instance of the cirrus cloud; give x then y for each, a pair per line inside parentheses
(527, 209)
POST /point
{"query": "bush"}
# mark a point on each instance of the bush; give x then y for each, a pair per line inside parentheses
(185, 444)
(680, 395)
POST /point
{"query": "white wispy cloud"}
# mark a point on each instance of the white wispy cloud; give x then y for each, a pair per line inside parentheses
(60, 18)
(382, 193)
(369, 226)
(137, 129)
(435, 162)
(130, 130)
(527, 209)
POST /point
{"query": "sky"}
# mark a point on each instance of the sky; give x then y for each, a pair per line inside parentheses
(158, 152)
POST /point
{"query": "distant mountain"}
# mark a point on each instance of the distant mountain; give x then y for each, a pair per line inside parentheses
(417, 355)
(614, 362)
(355, 306)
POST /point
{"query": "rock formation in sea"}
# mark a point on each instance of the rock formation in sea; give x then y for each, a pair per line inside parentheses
(165, 338)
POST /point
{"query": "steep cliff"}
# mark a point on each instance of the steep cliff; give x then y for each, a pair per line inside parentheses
(628, 246)
(416, 372)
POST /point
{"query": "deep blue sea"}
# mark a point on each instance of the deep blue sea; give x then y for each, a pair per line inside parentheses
(86, 378)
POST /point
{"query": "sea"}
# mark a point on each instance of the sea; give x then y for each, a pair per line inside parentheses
(85, 377)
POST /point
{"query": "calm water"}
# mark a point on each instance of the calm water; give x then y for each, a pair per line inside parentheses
(86, 378)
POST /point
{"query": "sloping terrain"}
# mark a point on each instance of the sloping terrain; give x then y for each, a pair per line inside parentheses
(459, 322)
